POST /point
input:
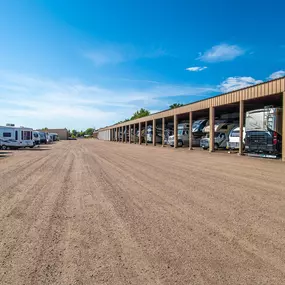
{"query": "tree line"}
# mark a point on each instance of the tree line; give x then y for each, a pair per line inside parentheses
(78, 134)
(138, 114)
(143, 113)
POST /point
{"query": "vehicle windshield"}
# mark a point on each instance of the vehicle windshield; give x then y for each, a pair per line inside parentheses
(235, 134)
(180, 132)
(36, 135)
(196, 124)
(217, 135)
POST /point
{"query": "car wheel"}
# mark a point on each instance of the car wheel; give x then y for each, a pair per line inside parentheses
(216, 146)
(4, 147)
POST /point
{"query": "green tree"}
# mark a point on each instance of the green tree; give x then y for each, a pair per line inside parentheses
(140, 113)
(89, 132)
(81, 134)
(175, 105)
(74, 133)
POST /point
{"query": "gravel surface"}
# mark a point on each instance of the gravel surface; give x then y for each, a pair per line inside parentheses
(92, 212)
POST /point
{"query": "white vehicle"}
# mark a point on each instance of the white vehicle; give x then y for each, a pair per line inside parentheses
(234, 138)
(182, 135)
(49, 138)
(36, 137)
(149, 135)
(221, 138)
(54, 136)
(16, 137)
(219, 124)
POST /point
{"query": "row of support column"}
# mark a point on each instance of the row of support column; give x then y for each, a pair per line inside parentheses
(115, 136)
(121, 132)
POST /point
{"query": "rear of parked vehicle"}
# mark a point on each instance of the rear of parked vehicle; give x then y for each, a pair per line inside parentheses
(263, 142)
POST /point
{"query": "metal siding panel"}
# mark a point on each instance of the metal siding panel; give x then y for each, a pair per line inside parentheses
(270, 88)
(253, 92)
(274, 86)
(232, 99)
(259, 90)
(249, 93)
(262, 90)
(243, 95)
(278, 86)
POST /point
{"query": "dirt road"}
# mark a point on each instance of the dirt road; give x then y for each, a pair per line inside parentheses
(91, 212)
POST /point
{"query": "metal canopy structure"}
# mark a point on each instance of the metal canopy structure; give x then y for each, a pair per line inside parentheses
(242, 100)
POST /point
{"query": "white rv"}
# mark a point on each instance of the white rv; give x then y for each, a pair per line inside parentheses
(36, 137)
(54, 136)
(149, 134)
(16, 137)
(234, 138)
(221, 136)
(182, 135)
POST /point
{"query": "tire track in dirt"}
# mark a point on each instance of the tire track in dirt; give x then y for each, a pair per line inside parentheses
(226, 234)
(23, 223)
(106, 213)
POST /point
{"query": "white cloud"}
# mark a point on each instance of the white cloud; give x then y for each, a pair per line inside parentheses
(100, 57)
(234, 83)
(43, 102)
(114, 54)
(222, 52)
(277, 74)
(196, 68)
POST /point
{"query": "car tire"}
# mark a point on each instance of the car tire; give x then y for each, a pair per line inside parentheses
(4, 147)
(216, 146)
(180, 143)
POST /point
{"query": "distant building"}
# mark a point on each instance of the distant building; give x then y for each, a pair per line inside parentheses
(95, 134)
(62, 133)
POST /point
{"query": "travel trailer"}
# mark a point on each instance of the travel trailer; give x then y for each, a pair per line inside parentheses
(233, 142)
(36, 137)
(264, 131)
(16, 137)
(54, 136)
(43, 137)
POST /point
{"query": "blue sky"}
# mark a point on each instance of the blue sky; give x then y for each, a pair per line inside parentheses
(80, 64)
